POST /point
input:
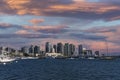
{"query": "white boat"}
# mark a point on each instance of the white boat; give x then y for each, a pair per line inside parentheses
(71, 58)
(6, 59)
(29, 57)
(90, 58)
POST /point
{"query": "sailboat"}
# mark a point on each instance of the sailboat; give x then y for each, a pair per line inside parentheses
(107, 57)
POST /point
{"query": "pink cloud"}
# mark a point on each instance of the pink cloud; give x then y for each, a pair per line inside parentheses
(114, 18)
(36, 21)
(112, 37)
(46, 29)
(5, 25)
(74, 8)
(22, 32)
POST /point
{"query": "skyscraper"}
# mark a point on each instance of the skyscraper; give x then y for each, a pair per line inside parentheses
(48, 47)
(71, 49)
(80, 49)
(66, 49)
(31, 49)
(60, 48)
(55, 48)
(25, 49)
(37, 49)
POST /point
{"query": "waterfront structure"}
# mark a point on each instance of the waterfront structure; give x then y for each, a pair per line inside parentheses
(31, 49)
(36, 50)
(97, 54)
(60, 48)
(42, 53)
(25, 49)
(89, 53)
(56, 51)
(9, 50)
(48, 47)
(2, 48)
(71, 49)
(66, 49)
(80, 50)
(55, 48)
(53, 55)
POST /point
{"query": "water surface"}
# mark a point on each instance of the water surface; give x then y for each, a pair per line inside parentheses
(61, 69)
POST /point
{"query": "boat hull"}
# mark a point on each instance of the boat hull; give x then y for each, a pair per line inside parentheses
(6, 60)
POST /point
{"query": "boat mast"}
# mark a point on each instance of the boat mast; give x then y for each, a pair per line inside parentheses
(107, 47)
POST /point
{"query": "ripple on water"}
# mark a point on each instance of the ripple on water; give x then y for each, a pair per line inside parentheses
(52, 69)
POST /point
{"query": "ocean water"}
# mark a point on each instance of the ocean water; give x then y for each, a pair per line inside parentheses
(61, 69)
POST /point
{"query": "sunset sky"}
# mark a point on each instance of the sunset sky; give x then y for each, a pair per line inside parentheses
(87, 22)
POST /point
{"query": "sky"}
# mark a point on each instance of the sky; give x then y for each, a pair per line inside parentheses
(88, 22)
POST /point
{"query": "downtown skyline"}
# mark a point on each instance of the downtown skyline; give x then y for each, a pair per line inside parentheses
(87, 22)
(67, 49)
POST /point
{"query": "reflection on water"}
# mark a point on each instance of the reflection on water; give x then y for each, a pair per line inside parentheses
(55, 69)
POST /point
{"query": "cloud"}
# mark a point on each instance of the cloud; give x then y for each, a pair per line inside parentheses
(7, 25)
(88, 36)
(111, 33)
(102, 47)
(22, 32)
(110, 1)
(95, 38)
(47, 29)
(114, 18)
(36, 21)
(80, 13)
(28, 36)
(100, 30)
(82, 9)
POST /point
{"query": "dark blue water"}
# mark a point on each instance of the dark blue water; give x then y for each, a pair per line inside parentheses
(54, 69)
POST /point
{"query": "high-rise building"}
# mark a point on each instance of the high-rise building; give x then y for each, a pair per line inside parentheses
(71, 49)
(25, 49)
(80, 49)
(66, 49)
(48, 47)
(55, 48)
(37, 49)
(2, 48)
(31, 49)
(60, 48)
(9, 50)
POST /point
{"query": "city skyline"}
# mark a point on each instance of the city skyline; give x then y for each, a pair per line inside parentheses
(88, 22)
(66, 49)
(62, 48)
